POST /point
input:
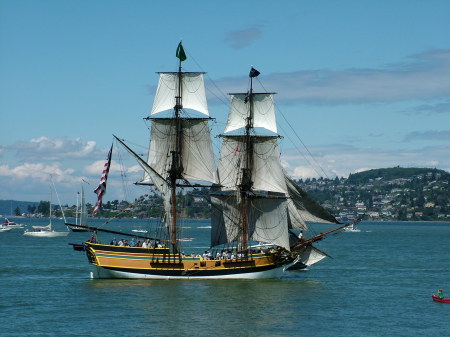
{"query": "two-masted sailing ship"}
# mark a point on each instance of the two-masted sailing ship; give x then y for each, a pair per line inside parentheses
(256, 207)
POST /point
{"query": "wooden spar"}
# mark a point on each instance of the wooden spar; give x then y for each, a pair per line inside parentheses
(115, 232)
(321, 235)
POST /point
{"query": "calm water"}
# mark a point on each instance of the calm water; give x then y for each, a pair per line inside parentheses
(378, 283)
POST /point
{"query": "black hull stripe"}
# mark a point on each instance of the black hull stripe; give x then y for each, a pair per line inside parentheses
(193, 273)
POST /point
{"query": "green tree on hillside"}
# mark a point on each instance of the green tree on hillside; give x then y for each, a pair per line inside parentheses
(44, 208)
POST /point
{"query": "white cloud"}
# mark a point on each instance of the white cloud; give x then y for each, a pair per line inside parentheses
(30, 171)
(304, 172)
(422, 77)
(26, 168)
(341, 160)
(45, 148)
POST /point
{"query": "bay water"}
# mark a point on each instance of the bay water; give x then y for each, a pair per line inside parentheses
(377, 282)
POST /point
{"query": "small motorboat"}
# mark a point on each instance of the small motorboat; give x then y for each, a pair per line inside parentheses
(352, 229)
(11, 224)
(139, 230)
(440, 299)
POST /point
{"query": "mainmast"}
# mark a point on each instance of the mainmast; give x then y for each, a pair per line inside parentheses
(247, 182)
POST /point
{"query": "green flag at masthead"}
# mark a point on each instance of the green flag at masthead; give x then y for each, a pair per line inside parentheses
(180, 53)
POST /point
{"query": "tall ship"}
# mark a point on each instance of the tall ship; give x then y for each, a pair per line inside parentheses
(257, 210)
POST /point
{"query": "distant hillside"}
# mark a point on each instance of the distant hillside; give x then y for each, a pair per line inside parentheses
(7, 207)
(391, 174)
(417, 194)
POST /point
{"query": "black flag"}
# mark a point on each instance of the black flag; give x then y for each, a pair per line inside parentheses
(253, 72)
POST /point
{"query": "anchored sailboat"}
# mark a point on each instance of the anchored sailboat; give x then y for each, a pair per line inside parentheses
(81, 215)
(46, 231)
(254, 203)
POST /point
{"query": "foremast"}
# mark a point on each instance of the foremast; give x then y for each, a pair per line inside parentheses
(175, 171)
(180, 148)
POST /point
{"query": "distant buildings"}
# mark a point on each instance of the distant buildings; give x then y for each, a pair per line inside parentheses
(424, 196)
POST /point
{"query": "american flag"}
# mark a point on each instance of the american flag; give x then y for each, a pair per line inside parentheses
(101, 189)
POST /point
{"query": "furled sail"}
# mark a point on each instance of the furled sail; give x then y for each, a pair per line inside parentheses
(44, 228)
(263, 112)
(196, 149)
(192, 92)
(267, 172)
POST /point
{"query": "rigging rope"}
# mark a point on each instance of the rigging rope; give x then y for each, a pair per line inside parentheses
(298, 137)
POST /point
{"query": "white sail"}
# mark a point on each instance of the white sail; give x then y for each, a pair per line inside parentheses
(267, 173)
(266, 218)
(155, 178)
(312, 255)
(225, 219)
(263, 112)
(192, 92)
(268, 221)
(197, 154)
(295, 217)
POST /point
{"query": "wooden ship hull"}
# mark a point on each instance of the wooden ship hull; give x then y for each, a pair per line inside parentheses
(157, 263)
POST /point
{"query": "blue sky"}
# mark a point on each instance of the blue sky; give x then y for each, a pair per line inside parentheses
(364, 84)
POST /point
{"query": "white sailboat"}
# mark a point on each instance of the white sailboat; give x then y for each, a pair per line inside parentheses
(46, 231)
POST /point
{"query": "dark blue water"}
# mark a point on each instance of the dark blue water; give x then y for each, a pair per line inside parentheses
(378, 283)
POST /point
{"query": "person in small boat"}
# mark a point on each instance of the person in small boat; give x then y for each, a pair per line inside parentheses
(440, 293)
